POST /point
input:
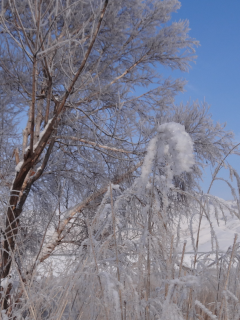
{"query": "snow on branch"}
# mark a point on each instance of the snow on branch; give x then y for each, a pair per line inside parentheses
(172, 146)
(208, 312)
(179, 145)
(92, 143)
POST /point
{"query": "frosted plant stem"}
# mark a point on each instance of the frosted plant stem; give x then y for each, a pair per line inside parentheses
(189, 302)
(198, 234)
(205, 310)
(148, 291)
(116, 250)
(24, 289)
(169, 263)
(210, 186)
(226, 307)
(228, 272)
(218, 288)
(95, 260)
(148, 277)
(219, 167)
(183, 252)
(179, 274)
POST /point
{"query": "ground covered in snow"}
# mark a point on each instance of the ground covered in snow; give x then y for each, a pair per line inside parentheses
(225, 225)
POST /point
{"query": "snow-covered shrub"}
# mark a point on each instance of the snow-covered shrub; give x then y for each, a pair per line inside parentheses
(131, 264)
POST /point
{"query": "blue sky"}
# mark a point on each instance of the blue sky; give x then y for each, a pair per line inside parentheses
(215, 76)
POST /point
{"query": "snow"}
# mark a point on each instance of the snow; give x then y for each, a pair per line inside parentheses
(42, 133)
(208, 312)
(148, 160)
(18, 166)
(4, 315)
(177, 143)
(47, 249)
(45, 129)
(26, 150)
(5, 282)
(172, 145)
(225, 228)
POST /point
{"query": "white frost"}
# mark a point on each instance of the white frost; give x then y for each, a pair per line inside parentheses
(18, 166)
(174, 148)
(5, 282)
(148, 160)
(44, 130)
(42, 133)
(26, 150)
(49, 246)
(177, 142)
(4, 315)
(208, 312)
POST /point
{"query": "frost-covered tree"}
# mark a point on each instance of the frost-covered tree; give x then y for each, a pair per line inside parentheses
(72, 66)
(69, 69)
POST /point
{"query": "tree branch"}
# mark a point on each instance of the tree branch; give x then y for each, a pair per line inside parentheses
(95, 144)
(57, 237)
(68, 92)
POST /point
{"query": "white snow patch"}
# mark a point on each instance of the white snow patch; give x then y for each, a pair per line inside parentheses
(5, 282)
(26, 150)
(42, 133)
(224, 229)
(18, 166)
(148, 160)
(172, 146)
(44, 130)
(208, 312)
(4, 315)
(177, 143)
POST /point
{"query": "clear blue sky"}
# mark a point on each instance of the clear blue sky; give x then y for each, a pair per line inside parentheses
(216, 75)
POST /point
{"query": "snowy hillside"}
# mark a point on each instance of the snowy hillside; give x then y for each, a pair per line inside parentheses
(225, 225)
